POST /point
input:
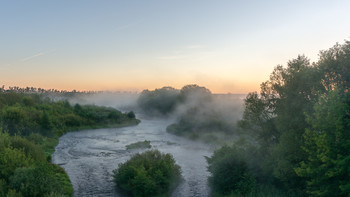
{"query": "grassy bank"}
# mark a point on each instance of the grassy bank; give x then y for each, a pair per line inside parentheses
(31, 126)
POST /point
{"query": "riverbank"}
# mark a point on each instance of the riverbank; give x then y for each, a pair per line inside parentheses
(31, 125)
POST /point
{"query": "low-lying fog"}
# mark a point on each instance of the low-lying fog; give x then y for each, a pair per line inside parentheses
(90, 156)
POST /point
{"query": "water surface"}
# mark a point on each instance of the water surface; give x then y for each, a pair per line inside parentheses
(90, 156)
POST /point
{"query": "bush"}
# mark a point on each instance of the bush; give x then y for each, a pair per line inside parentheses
(35, 181)
(148, 174)
(10, 159)
(131, 115)
(29, 148)
(231, 172)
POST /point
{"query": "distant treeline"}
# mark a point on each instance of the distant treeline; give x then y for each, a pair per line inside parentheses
(30, 126)
(43, 91)
(197, 111)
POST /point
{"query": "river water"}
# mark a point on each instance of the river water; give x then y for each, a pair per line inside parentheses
(90, 156)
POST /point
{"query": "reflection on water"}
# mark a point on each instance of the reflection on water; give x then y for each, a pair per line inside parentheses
(90, 156)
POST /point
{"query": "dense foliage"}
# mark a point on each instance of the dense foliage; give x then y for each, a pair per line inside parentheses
(24, 170)
(232, 169)
(164, 101)
(26, 113)
(159, 101)
(300, 125)
(200, 116)
(148, 174)
(32, 123)
(201, 123)
(197, 114)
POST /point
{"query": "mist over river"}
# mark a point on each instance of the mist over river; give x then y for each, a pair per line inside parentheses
(89, 157)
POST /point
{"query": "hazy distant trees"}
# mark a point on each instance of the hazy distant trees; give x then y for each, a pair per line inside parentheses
(28, 113)
(159, 101)
(198, 116)
(194, 93)
(165, 100)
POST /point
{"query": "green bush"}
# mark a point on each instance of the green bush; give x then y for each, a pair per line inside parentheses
(11, 159)
(148, 174)
(29, 148)
(36, 180)
(231, 171)
(131, 114)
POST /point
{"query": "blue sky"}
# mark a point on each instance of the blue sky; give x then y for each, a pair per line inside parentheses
(227, 46)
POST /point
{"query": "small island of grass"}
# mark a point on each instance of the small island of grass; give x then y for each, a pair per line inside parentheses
(139, 145)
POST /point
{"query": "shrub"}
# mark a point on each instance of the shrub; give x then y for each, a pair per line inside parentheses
(131, 115)
(231, 172)
(35, 181)
(148, 174)
(29, 148)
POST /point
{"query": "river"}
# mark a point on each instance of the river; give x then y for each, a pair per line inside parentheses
(90, 156)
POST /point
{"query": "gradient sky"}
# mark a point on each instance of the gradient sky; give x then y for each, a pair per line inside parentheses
(225, 45)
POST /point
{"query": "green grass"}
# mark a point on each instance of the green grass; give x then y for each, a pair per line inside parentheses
(139, 145)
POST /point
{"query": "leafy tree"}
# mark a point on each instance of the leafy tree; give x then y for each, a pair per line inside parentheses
(276, 117)
(231, 171)
(258, 120)
(30, 149)
(45, 122)
(327, 143)
(195, 93)
(334, 64)
(10, 160)
(34, 180)
(14, 117)
(131, 114)
(148, 174)
(160, 101)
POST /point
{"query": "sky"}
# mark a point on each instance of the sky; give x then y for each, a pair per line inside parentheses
(227, 46)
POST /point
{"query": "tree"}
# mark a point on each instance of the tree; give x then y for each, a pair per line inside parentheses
(194, 93)
(232, 171)
(36, 180)
(148, 174)
(334, 64)
(327, 143)
(276, 117)
(161, 101)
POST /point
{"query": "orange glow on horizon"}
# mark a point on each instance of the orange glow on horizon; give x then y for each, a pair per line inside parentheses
(214, 88)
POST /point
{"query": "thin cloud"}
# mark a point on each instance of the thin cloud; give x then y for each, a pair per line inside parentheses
(195, 46)
(32, 57)
(172, 57)
(5, 66)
